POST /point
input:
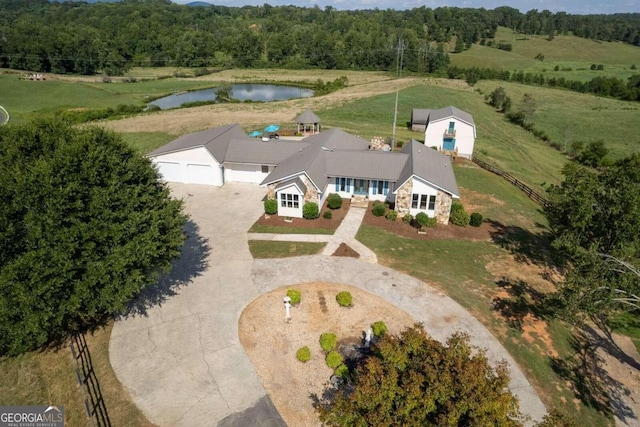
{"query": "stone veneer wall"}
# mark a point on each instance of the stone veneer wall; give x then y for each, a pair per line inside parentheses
(312, 194)
(271, 191)
(377, 142)
(443, 207)
(403, 198)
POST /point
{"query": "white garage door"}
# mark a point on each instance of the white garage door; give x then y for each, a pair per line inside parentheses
(171, 172)
(203, 174)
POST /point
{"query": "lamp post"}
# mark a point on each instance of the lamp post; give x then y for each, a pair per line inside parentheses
(287, 308)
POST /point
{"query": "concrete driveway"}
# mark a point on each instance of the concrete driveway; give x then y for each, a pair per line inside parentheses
(178, 353)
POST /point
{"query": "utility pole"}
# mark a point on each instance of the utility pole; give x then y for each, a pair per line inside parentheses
(399, 60)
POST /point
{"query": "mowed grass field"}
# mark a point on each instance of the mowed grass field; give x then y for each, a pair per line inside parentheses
(570, 116)
(564, 51)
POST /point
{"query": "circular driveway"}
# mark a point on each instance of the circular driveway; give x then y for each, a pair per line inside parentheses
(178, 352)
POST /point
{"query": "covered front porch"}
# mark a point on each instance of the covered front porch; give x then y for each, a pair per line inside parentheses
(371, 189)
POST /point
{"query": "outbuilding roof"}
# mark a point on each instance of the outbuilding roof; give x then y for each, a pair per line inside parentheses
(307, 117)
(423, 116)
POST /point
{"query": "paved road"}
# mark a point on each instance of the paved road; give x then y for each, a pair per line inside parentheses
(182, 361)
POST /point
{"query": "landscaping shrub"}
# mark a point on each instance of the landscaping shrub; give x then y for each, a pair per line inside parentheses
(303, 354)
(475, 219)
(295, 296)
(334, 201)
(310, 210)
(328, 341)
(327, 215)
(379, 208)
(379, 328)
(407, 219)
(458, 215)
(342, 371)
(271, 206)
(333, 359)
(422, 219)
(344, 298)
(391, 215)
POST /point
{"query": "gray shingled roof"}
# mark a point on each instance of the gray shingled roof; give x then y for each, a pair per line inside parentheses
(307, 117)
(310, 158)
(382, 165)
(430, 165)
(451, 111)
(215, 140)
(258, 152)
(296, 181)
(420, 116)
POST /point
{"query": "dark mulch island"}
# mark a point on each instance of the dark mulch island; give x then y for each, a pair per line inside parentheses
(345, 250)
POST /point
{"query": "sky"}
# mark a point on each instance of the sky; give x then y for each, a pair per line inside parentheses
(570, 6)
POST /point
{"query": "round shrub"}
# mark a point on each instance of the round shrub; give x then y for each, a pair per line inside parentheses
(407, 218)
(327, 215)
(379, 328)
(333, 359)
(431, 222)
(379, 209)
(303, 354)
(334, 201)
(310, 210)
(328, 341)
(391, 215)
(341, 371)
(271, 206)
(458, 215)
(422, 219)
(475, 220)
(295, 296)
(344, 298)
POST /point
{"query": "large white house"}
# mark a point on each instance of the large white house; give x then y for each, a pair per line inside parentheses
(417, 179)
(448, 129)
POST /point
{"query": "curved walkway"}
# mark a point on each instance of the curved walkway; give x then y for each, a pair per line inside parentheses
(182, 361)
(4, 116)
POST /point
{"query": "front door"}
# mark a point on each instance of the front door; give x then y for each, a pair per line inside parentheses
(448, 144)
(362, 186)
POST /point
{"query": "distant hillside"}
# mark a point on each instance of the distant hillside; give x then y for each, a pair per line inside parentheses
(198, 3)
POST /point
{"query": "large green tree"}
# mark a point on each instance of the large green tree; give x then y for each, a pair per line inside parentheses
(414, 380)
(595, 221)
(85, 224)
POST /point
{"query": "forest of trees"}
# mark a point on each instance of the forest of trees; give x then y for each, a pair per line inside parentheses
(77, 37)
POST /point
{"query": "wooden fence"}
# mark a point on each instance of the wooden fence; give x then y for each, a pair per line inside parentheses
(521, 185)
(86, 375)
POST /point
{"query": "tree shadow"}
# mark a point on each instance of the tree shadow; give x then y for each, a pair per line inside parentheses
(523, 300)
(590, 382)
(528, 247)
(191, 264)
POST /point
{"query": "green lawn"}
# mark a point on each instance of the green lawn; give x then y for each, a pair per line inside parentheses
(569, 116)
(259, 228)
(565, 51)
(25, 99)
(145, 142)
(272, 249)
(499, 142)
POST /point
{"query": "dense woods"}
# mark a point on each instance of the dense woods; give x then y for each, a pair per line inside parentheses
(76, 37)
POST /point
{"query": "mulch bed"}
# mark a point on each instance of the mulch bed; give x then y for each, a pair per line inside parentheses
(345, 250)
(482, 233)
(337, 216)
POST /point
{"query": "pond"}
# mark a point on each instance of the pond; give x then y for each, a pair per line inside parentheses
(241, 92)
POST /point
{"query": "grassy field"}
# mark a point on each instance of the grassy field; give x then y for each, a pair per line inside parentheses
(145, 142)
(272, 249)
(569, 116)
(25, 99)
(564, 51)
(48, 377)
(507, 146)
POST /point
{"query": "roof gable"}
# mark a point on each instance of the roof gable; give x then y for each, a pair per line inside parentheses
(446, 112)
(215, 140)
(429, 165)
